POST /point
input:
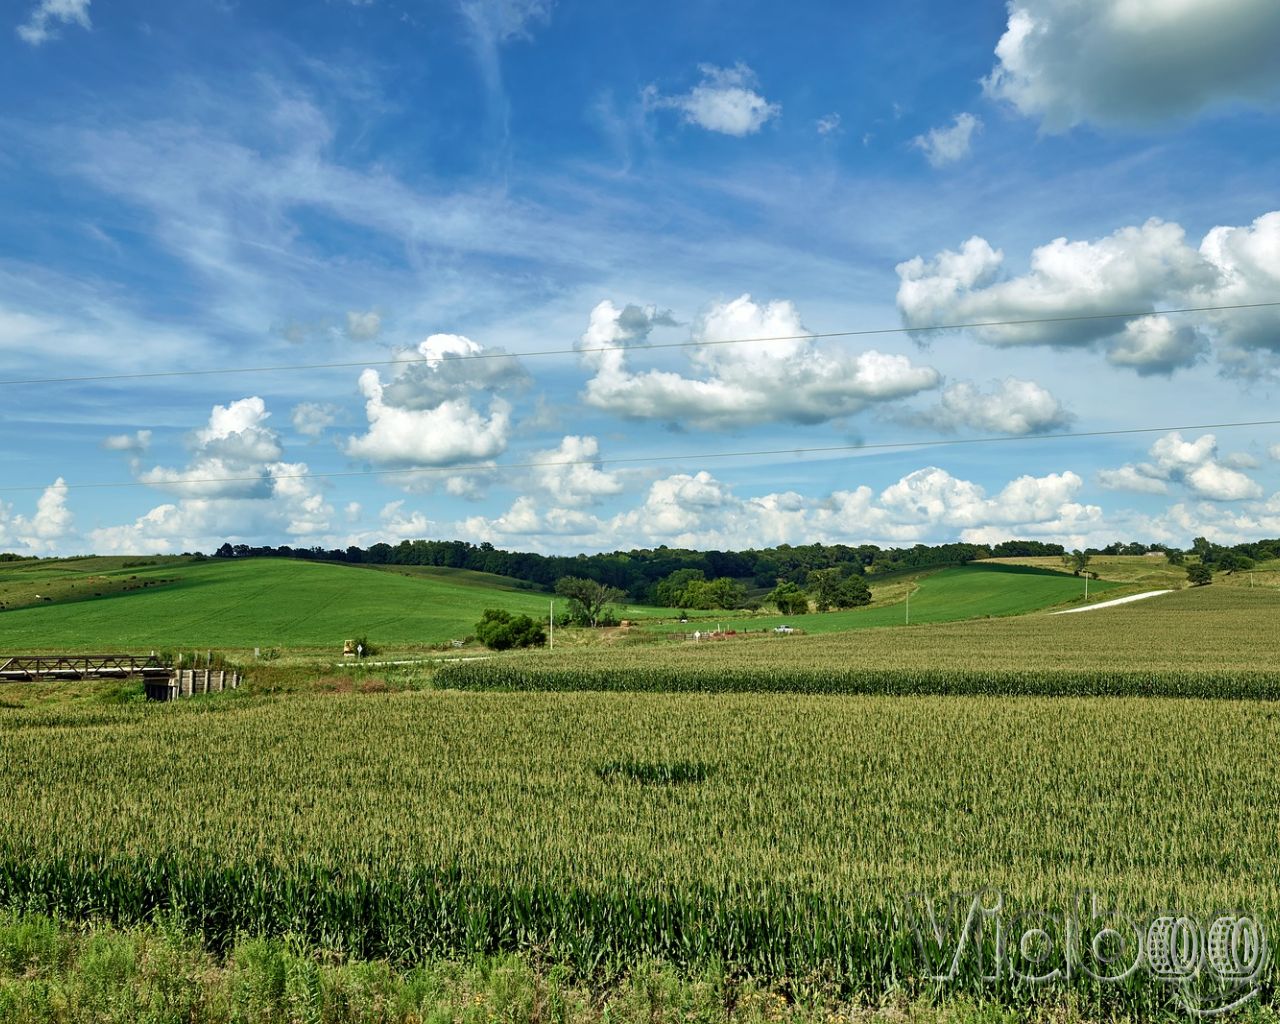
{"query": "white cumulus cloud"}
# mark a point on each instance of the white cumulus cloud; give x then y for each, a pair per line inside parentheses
(291, 507)
(404, 524)
(1194, 464)
(313, 418)
(1134, 61)
(238, 432)
(424, 416)
(725, 101)
(1136, 269)
(236, 486)
(450, 432)
(1130, 478)
(942, 146)
(1008, 406)
(232, 455)
(570, 473)
(42, 531)
(787, 379)
(1246, 260)
(523, 520)
(1222, 524)
(137, 442)
(698, 510)
(1156, 345)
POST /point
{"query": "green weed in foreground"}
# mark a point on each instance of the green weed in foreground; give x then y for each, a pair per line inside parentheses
(152, 975)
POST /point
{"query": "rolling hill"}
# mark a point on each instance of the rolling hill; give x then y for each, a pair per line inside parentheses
(242, 604)
(172, 603)
(977, 590)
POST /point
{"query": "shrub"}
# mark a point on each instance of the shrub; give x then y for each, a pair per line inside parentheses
(499, 630)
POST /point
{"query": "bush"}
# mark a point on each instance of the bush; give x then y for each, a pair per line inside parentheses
(364, 648)
(1199, 575)
(499, 630)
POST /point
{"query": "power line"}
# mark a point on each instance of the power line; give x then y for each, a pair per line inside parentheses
(973, 325)
(640, 459)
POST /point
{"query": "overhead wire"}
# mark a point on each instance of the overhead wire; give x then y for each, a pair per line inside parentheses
(648, 346)
(670, 457)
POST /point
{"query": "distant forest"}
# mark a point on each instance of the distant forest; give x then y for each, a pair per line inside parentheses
(639, 571)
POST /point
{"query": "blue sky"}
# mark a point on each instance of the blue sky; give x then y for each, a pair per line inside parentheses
(456, 184)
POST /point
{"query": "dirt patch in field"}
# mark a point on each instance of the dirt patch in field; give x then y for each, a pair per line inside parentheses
(335, 684)
(348, 684)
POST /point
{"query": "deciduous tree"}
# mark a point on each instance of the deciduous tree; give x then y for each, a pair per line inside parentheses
(587, 598)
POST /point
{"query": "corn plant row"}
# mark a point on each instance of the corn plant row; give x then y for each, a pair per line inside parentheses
(668, 678)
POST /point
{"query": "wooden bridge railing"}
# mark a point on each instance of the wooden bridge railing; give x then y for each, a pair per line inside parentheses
(30, 667)
(160, 681)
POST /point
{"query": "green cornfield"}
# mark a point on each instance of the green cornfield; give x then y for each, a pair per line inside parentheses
(1208, 643)
(772, 836)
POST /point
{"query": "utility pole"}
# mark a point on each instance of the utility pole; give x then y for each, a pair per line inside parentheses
(1086, 585)
(552, 620)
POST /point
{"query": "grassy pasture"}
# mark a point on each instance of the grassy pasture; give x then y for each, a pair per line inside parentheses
(490, 822)
(241, 604)
(29, 582)
(946, 595)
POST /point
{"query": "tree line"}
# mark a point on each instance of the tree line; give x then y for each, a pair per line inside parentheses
(638, 572)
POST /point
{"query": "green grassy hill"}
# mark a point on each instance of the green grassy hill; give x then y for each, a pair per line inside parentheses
(172, 603)
(970, 591)
(242, 604)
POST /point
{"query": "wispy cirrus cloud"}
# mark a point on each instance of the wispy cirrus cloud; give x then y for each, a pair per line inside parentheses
(491, 24)
(42, 24)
